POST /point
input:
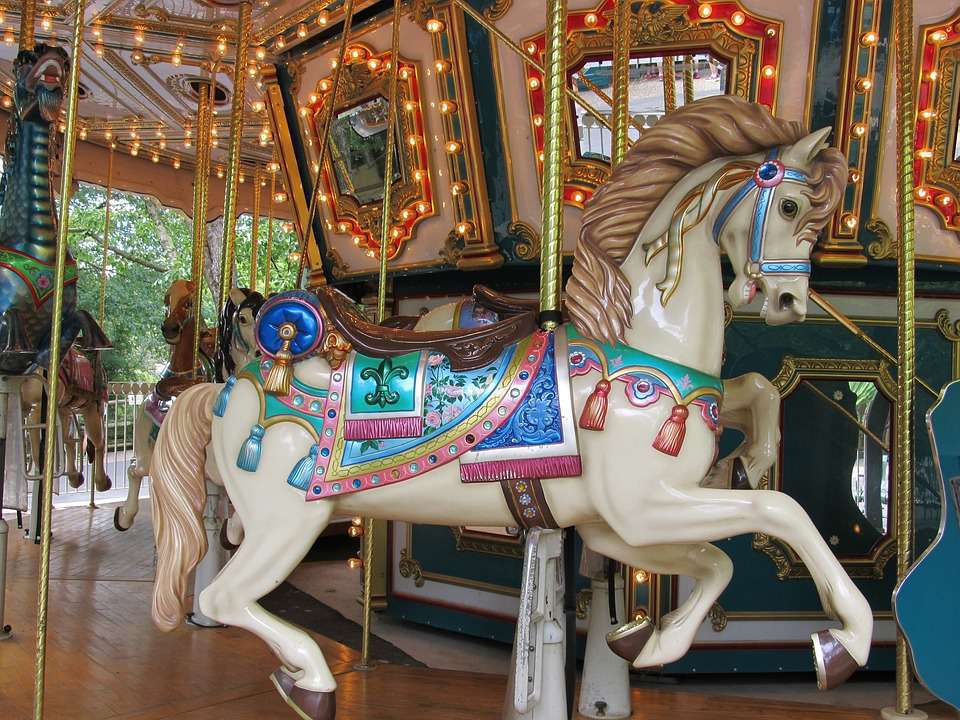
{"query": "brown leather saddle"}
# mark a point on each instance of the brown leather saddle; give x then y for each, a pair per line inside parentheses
(466, 349)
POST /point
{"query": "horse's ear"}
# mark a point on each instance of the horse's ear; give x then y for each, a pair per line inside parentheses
(806, 149)
(237, 295)
(191, 286)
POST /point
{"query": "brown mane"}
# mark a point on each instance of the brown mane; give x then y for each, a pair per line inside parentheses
(598, 294)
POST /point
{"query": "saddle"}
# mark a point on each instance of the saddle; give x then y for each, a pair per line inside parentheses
(504, 305)
(466, 349)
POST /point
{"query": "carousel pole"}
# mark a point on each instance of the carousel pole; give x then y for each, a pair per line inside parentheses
(255, 230)
(233, 167)
(104, 262)
(906, 347)
(269, 253)
(325, 136)
(621, 81)
(669, 85)
(49, 448)
(688, 92)
(201, 184)
(28, 21)
(385, 223)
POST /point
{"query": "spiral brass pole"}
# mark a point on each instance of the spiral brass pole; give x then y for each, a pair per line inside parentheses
(906, 349)
(554, 81)
(53, 377)
(28, 21)
(621, 81)
(255, 231)
(324, 139)
(688, 94)
(506, 40)
(386, 221)
(269, 253)
(201, 185)
(233, 167)
(669, 84)
(105, 258)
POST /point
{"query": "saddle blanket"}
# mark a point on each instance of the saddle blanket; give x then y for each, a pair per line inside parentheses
(502, 421)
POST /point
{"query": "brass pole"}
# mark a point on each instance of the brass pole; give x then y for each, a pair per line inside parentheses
(669, 84)
(269, 253)
(255, 230)
(102, 309)
(554, 81)
(506, 40)
(906, 349)
(53, 377)
(201, 185)
(621, 81)
(592, 87)
(850, 325)
(233, 166)
(325, 135)
(28, 22)
(386, 221)
(688, 94)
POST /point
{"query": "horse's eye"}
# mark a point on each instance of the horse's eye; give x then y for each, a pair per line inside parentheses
(789, 208)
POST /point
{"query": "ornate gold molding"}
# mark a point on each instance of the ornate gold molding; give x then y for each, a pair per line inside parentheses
(470, 541)
(886, 244)
(718, 617)
(950, 331)
(528, 248)
(410, 568)
(584, 597)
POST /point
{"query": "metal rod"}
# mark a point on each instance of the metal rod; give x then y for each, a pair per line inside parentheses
(688, 92)
(554, 82)
(596, 90)
(506, 40)
(102, 309)
(849, 415)
(28, 22)
(233, 166)
(855, 329)
(255, 231)
(53, 376)
(906, 349)
(669, 84)
(325, 135)
(621, 81)
(201, 185)
(269, 254)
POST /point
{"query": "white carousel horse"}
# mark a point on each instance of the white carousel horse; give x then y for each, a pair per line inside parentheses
(646, 300)
(236, 336)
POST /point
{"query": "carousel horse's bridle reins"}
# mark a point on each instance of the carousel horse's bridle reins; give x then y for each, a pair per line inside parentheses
(765, 179)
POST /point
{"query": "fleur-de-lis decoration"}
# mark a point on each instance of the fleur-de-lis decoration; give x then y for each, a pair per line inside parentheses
(382, 375)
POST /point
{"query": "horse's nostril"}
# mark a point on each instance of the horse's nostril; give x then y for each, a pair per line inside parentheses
(787, 301)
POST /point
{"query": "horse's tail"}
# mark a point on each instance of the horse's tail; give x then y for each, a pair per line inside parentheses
(179, 495)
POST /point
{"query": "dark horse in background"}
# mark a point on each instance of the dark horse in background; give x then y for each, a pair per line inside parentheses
(28, 241)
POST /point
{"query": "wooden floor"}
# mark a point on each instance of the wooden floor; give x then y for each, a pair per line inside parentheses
(106, 660)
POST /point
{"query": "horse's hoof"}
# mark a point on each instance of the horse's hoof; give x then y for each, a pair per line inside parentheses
(739, 479)
(628, 640)
(833, 663)
(75, 480)
(308, 704)
(104, 486)
(116, 521)
(225, 538)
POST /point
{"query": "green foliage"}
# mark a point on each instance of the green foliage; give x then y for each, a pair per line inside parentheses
(150, 247)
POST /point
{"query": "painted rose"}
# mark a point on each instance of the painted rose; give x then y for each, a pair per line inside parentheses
(434, 360)
(432, 419)
(450, 412)
(428, 389)
(453, 391)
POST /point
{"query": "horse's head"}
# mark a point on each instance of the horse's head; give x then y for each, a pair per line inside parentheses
(179, 304)
(41, 76)
(767, 221)
(237, 344)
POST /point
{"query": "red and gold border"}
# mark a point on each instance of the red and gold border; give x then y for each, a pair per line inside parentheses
(346, 221)
(730, 17)
(936, 176)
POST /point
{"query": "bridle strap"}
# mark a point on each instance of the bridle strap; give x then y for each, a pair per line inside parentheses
(765, 181)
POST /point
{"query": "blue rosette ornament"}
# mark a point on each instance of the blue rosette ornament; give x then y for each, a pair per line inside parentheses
(289, 328)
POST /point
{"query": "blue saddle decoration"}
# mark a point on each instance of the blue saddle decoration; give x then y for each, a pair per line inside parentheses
(296, 307)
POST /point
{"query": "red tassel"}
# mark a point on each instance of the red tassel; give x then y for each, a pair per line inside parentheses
(595, 411)
(670, 438)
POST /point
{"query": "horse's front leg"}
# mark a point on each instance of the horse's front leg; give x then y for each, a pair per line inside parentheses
(70, 441)
(751, 404)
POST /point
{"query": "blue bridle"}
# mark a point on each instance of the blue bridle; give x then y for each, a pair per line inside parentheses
(764, 180)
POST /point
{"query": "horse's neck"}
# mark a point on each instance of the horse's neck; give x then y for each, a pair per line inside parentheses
(27, 223)
(181, 359)
(689, 329)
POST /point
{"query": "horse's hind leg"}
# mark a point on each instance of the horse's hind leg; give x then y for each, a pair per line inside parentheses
(268, 554)
(74, 476)
(126, 513)
(93, 422)
(641, 643)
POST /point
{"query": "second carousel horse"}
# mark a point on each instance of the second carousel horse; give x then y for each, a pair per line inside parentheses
(608, 423)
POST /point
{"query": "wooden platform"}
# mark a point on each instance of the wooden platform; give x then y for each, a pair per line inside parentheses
(106, 660)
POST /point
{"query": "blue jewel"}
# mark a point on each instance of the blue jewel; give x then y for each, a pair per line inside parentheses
(524, 374)
(375, 479)
(325, 452)
(356, 483)
(331, 413)
(328, 432)
(414, 467)
(315, 406)
(768, 171)
(336, 487)
(452, 449)
(298, 400)
(317, 489)
(432, 459)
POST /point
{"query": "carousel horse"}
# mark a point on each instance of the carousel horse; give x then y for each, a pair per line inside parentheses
(609, 423)
(235, 349)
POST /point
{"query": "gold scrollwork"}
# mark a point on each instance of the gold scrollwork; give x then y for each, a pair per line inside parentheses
(951, 331)
(410, 568)
(885, 246)
(452, 249)
(718, 617)
(528, 248)
(583, 603)
(497, 9)
(470, 541)
(794, 371)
